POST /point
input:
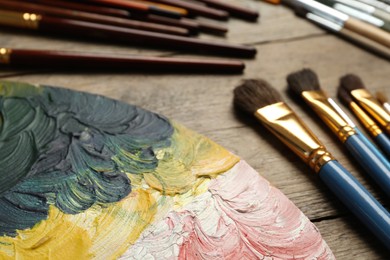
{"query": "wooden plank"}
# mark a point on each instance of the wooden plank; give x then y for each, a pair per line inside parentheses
(348, 240)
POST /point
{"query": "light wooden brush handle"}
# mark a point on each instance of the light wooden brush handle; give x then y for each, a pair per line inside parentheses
(368, 31)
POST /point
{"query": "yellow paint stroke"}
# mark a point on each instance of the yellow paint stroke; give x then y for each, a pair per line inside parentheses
(184, 171)
(54, 238)
(190, 157)
(100, 233)
(18, 89)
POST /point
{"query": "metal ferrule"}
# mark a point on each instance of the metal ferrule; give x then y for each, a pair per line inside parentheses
(366, 120)
(359, 15)
(19, 19)
(288, 127)
(323, 11)
(358, 5)
(387, 107)
(324, 22)
(5, 56)
(372, 107)
(318, 101)
(341, 113)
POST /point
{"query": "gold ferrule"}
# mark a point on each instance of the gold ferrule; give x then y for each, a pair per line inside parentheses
(5, 56)
(19, 19)
(288, 127)
(318, 101)
(373, 107)
(365, 119)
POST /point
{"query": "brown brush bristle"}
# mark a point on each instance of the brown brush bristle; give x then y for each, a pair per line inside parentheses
(253, 94)
(381, 97)
(351, 82)
(344, 96)
(303, 80)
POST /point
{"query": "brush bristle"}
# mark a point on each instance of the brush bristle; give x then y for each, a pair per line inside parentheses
(344, 96)
(381, 97)
(303, 80)
(253, 94)
(351, 82)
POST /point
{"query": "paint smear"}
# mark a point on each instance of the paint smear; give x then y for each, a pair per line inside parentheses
(240, 215)
(86, 177)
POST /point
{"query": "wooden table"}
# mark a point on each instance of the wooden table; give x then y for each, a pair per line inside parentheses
(203, 103)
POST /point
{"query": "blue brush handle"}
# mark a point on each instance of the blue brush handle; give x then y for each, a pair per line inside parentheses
(384, 143)
(357, 199)
(371, 160)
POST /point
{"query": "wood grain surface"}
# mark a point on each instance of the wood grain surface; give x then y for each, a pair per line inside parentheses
(203, 103)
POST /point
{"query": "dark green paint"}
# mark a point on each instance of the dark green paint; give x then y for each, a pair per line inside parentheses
(69, 149)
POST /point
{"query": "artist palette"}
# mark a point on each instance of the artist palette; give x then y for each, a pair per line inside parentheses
(83, 176)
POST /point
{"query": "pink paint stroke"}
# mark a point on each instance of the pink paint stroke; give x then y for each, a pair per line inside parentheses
(240, 217)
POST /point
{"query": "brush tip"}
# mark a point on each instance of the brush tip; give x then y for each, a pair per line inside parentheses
(254, 94)
(381, 97)
(303, 80)
(351, 82)
(344, 96)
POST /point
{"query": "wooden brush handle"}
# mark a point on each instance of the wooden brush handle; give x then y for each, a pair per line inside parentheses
(83, 7)
(234, 10)
(83, 29)
(197, 9)
(91, 17)
(191, 25)
(368, 31)
(135, 6)
(90, 61)
(183, 22)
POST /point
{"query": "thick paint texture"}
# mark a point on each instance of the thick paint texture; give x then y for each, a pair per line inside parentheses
(87, 177)
(71, 150)
(240, 214)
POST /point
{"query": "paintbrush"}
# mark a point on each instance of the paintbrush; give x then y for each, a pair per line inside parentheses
(92, 17)
(355, 86)
(305, 84)
(74, 28)
(383, 100)
(377, 4)
(195, 8)
(258, 98)
(233, 10)
(181, 11)
(357, 14)
(350, 23)
(367, 123)
(192, 25)
(343, 32)
(135, 7)
(372, 128)
(366, 8)
(50, 59)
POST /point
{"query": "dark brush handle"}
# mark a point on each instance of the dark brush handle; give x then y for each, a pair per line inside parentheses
(197, 9)
(91, 17)
(75, 28)
(134, 6)
(233, 10)
(186, 23)
(90, 61)
(82, 7)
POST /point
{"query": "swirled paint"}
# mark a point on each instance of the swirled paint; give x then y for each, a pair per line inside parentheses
(87, 177)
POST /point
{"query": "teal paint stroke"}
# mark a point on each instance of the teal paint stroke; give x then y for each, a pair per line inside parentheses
(69, 149)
